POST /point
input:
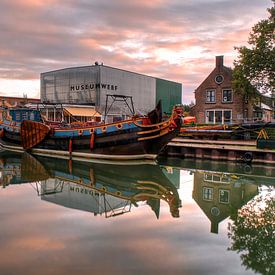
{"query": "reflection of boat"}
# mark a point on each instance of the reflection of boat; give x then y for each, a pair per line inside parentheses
(135, 138)
(20, 168)
(74, 184)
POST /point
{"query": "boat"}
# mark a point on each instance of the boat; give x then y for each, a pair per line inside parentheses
(24, 129)
(206, 131)
(77, 184)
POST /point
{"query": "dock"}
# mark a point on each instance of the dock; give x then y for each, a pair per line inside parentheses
(226, 150)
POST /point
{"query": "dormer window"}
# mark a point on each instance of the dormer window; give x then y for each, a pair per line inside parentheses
(210, 96)
(227, 96)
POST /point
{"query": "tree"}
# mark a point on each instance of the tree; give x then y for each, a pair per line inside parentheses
(252, 234)
(255, 67)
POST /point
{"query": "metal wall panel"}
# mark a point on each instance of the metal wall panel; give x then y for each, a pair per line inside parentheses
(73, 85)
(91, 84)
(141, 87)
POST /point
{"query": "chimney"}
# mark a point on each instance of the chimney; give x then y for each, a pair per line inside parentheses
(219, 61)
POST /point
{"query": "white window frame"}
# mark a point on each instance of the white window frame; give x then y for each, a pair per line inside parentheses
(216, 110)
(211, 192)
(221, 178)
(227, 191)
(207, 97)
(223, 97)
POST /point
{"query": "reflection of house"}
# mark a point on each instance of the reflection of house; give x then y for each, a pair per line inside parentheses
(220, 195)
(74, 196)
(217, 102)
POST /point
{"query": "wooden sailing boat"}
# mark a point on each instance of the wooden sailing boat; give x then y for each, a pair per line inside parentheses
(135, 138)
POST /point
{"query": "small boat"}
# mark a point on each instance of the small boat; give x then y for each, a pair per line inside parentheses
(136, 138)
(206, 131)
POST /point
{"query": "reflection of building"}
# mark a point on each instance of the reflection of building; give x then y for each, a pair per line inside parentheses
(91, 84)
(172, 174)
(220, 195)
(79, 197)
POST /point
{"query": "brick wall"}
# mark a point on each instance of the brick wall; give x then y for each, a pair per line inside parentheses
(238, 104)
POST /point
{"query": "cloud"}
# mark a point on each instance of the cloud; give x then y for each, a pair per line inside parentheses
(175, 39)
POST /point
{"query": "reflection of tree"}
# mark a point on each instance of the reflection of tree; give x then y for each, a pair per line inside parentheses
(253, 234)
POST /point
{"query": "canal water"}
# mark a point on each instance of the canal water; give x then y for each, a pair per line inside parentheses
(177, 217)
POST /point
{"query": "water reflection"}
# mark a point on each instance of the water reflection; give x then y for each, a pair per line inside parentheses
(253, 234)
(101, 188)
(233, 193)
(246, 195)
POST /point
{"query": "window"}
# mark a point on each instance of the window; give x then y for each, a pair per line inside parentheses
(24, 116)
(218, 116)
(210, 96)
(209, 117)
(227, 95)
(17, 116)
(224, 196)
(219, 79)
(207, 193)
(258, 102)
(227, 116)
(217, 178)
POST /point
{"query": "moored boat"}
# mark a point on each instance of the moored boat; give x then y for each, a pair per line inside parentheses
(135, 138)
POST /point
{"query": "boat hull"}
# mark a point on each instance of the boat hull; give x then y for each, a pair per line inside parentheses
(120, 146)
(136, 138)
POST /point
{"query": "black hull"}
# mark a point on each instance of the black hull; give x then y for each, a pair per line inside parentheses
(119, 144)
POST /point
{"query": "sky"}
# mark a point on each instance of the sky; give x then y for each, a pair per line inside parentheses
(170, 39)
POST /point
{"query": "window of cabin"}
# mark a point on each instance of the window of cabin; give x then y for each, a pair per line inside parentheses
(227, 96)
(32, 116)
(24, 116)
(210, 96)
(17, 116)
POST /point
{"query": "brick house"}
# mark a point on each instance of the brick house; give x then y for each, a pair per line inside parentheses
(218, 103)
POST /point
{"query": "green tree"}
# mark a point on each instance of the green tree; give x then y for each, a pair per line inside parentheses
(253, 234)
(255, 67)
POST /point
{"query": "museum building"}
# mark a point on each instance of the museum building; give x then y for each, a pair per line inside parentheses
(90, 85)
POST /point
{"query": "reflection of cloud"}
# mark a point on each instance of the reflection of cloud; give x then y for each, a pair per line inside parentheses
(36, 243)
(175, 39)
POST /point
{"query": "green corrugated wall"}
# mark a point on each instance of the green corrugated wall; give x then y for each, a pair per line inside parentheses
(169, 92)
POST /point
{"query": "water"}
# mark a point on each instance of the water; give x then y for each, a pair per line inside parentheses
(61, 217)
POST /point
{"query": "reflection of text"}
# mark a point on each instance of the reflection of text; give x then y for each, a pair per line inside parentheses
(84, 191)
